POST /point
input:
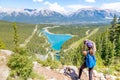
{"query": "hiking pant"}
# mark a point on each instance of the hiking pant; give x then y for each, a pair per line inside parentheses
(90, 71)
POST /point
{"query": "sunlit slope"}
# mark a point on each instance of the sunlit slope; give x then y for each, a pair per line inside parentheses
(77, 43)
(7, 32)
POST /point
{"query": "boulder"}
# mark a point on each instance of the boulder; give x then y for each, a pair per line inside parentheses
(52, 78)
(95, 74)
(2, 59)
(113, 77)
(102, 78)
(108, 77)
(61, 71)
(7, 52)
(4, 72)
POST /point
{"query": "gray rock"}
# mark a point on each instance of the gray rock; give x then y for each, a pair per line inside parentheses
(52, 79)
(95, 74)
(86, 72)
(4, 72)
(62, 71)
(101, 75)
(48, 68)
(29, 79)
(3, 58)
(108, 77)
(7, 52)
(113, 77)
(102, 78)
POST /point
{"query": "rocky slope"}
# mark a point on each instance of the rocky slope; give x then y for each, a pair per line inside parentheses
(4, 70)
(49, 74)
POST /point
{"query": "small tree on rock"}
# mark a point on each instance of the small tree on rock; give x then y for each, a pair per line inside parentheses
(15, 38)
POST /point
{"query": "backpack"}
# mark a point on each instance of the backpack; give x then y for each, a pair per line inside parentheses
(90, 60)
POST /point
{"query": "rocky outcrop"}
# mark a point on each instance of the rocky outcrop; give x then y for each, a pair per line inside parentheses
(96, 75)
(4, 70)
(49, 74)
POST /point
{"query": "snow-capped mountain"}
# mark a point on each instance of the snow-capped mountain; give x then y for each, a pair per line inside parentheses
(48, 16)
(94, 14)
(30, 15)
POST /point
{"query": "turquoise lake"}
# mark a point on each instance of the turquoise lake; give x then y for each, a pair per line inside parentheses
(56, 40)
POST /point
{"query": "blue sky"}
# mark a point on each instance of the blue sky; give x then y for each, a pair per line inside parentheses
(60, 5)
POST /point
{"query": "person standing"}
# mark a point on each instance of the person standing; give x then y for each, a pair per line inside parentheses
(90, 60)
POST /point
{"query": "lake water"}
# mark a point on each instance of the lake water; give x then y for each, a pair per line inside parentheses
(56, 40)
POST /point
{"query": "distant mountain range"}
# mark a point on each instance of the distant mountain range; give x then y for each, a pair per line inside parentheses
(91, 15)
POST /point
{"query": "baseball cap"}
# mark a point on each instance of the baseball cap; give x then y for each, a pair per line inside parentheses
(88, 43)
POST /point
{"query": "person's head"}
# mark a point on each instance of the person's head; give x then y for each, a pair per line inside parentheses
(88, 43)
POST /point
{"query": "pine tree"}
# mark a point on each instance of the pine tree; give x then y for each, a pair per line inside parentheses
(107, 52)
(117, 36)
(111, 50)
(117, 48)
(104, 50)
(119, 20)
(114, 22)
(112, 29)
(15, 38)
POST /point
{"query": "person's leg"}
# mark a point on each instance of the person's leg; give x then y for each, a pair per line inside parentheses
(90, 73)
(81, 69)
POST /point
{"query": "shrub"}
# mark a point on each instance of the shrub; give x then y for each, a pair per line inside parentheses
(35, 76)
(117, 68)
(49, 62)
(55, 64)
(20, 65)
(2, 45)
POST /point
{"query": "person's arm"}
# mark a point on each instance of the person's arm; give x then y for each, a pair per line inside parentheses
(94, 48)
(84, 47)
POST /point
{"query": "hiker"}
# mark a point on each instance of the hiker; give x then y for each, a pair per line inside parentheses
(71, 72)
(90, 60)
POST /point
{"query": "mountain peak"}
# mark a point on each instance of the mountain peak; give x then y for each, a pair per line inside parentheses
(30, 10)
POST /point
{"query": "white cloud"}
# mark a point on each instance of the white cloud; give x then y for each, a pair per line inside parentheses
(76, 7)
(37, 0)
(55, 7)
(115, 6)
(90, 0)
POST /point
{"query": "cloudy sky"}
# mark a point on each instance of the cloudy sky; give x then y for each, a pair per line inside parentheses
(61, 5)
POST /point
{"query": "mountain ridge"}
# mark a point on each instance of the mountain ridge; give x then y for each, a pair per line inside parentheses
(49, 16)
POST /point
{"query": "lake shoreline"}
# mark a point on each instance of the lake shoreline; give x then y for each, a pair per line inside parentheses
(56, 40)
(46, 29)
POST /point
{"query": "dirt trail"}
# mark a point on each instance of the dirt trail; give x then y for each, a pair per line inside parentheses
(30, 37)
(49, 74)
